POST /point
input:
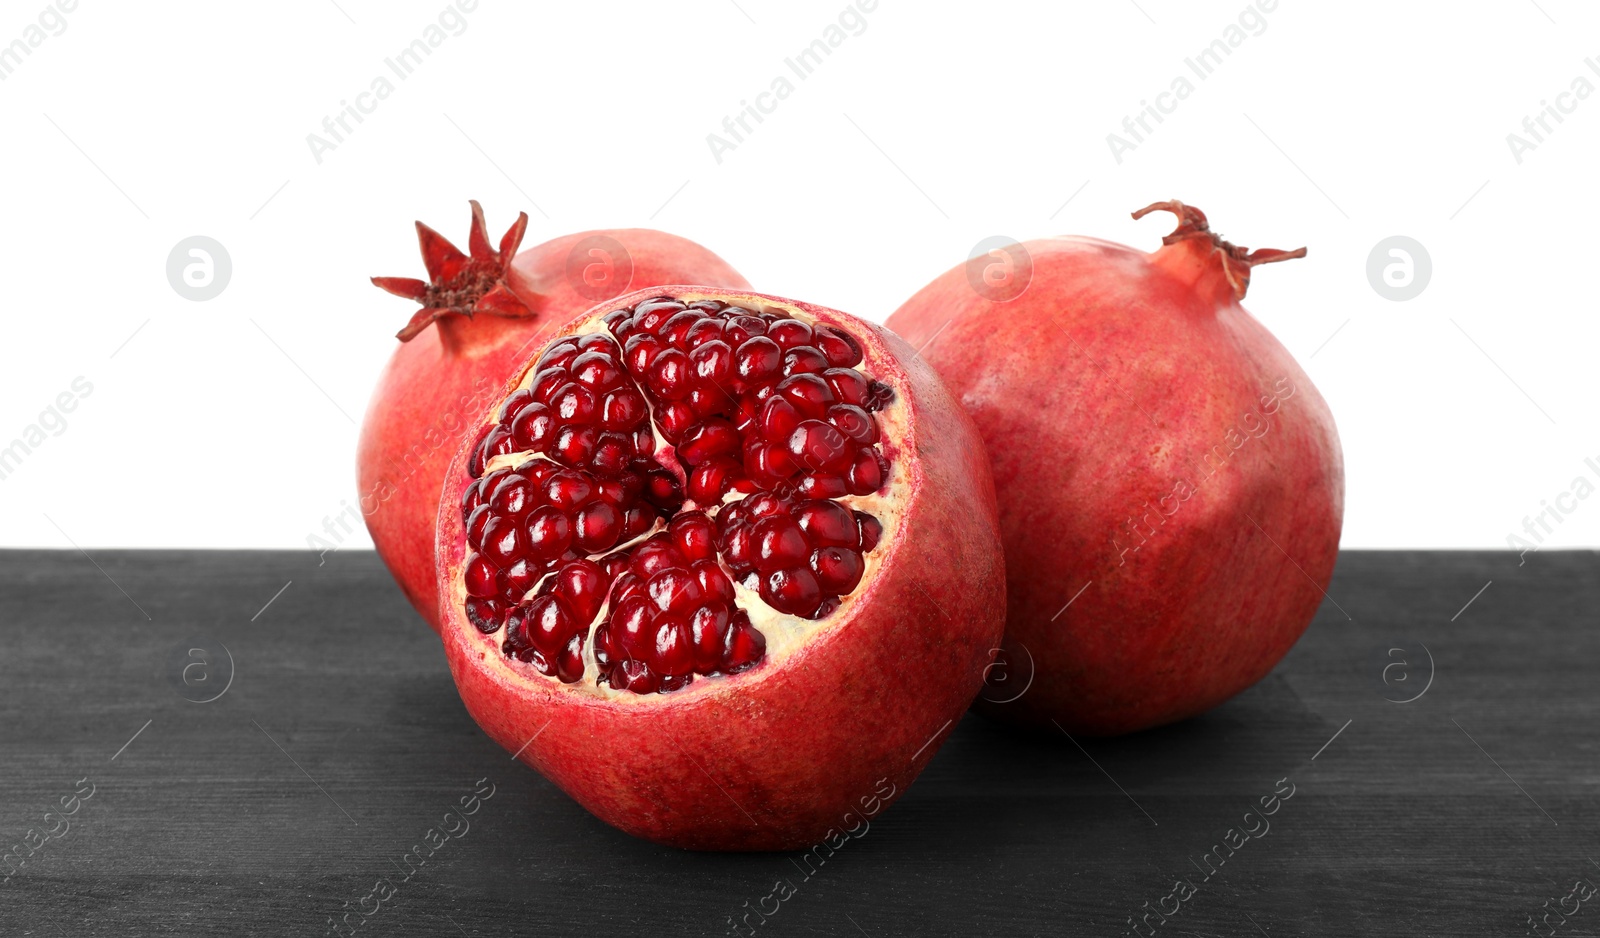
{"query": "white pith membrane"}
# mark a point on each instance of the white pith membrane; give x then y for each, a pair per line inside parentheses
(785, 634)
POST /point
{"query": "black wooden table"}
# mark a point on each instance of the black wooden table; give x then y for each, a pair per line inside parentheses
(340, 743)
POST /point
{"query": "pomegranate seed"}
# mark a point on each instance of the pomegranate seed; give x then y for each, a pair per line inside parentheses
(597, 528)
(840, 348)
(480, 577)
(514, 405)
(838, 569)
(757, 359)
(789, 333)
(742, 646)
(804, 360)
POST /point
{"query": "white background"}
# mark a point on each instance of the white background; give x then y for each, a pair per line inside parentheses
(232, 422)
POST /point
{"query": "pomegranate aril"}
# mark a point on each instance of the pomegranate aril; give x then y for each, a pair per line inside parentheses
(597, 370)
(711, 479)
(822, 485)
(486, 615)
(512, 496)
(743, 327)
(654, 555)
(854, 423)
(794, 590)
(778, 418)
(636, 521)
(622, 409)
(515, 581)
(481, 577)
(866, 476)
(567, 490)
(547, 382)
(503, 540)
(475, 524)
(636, 676)
(841, 349)
(848, 385)
(674, 419)
(789, 333)
(820, 447)
(597, 527)
(651, 314)
(569, 661)
(694, 535)
(675, 331)
(582, 585)
(871, 531)
(641, 352)
(574, 403)
(742, 646)
(513, 405)
(714, 437)
(547, 624)
(779, 543)
(757, 359)
(713, 581)
(809, 394)
(574, 445)
(549, 532)
(709, 329)
(558, 355)
(828, 524)
(706, 628)
(804, 360)
(838, 569)
(534, 427)
(672, 653)
(669, 375)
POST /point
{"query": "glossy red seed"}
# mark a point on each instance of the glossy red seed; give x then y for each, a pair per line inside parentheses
(820, 447)
(779, 542)
(480, 577)
(503, 540)
(636, 676)
(515, 581)
(549, 532)
(848, 385)
(822, 485)
(709, 329)
(841, 349)
(711, 479)
(548, 626)
(486, 615)
(866, 476)
(809, 394)
(567, 490)
(669, 375)
(789, 333)
(672, 653)
(597, 370)
(711, 362)
(546, 382)
(641, 352)
(742, 646)
(574, 445)
(854, 423)
(675, 330)
(512, 496)
(569, 661)
(793, 590)
(597, 527)
(514, 404)
(574, 403)
(838, 569)
(713, 437)
(828, 524)
(622, 409)
(871, 531)
(534, 427)
(778, 418)
(694, 535)
(475, 524)
(757, 359)
(706, 628)
(804, 360)
(582, 585)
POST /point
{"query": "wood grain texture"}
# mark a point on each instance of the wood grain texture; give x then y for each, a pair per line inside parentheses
(341, 742)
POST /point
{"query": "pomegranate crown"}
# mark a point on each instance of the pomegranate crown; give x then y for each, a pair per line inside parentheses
(461, 284)
(1236, 260)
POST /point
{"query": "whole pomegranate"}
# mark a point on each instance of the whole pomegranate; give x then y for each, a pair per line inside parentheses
(486, 307)
(723, 566)
(1170, 483)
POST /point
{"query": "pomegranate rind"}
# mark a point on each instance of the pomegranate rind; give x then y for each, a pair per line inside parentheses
(776, 757)
(435, 385)
(1097, 390)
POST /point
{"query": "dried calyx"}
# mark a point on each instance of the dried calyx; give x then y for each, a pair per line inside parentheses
(660, 496)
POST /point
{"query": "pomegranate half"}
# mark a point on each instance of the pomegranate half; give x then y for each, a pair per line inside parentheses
(718, 564)
(1170, 483)
(486, 307)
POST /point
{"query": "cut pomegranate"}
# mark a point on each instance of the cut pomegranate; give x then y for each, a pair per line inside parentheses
(486, 307)
(703, 525)
(756, 440)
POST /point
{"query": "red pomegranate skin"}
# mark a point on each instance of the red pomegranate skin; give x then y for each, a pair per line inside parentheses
(1108, 382)
(437, 383)
(786, 754)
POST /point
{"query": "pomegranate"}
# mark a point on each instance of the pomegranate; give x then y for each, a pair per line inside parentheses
(1170, 484)
(720, 563)
(486, 307)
